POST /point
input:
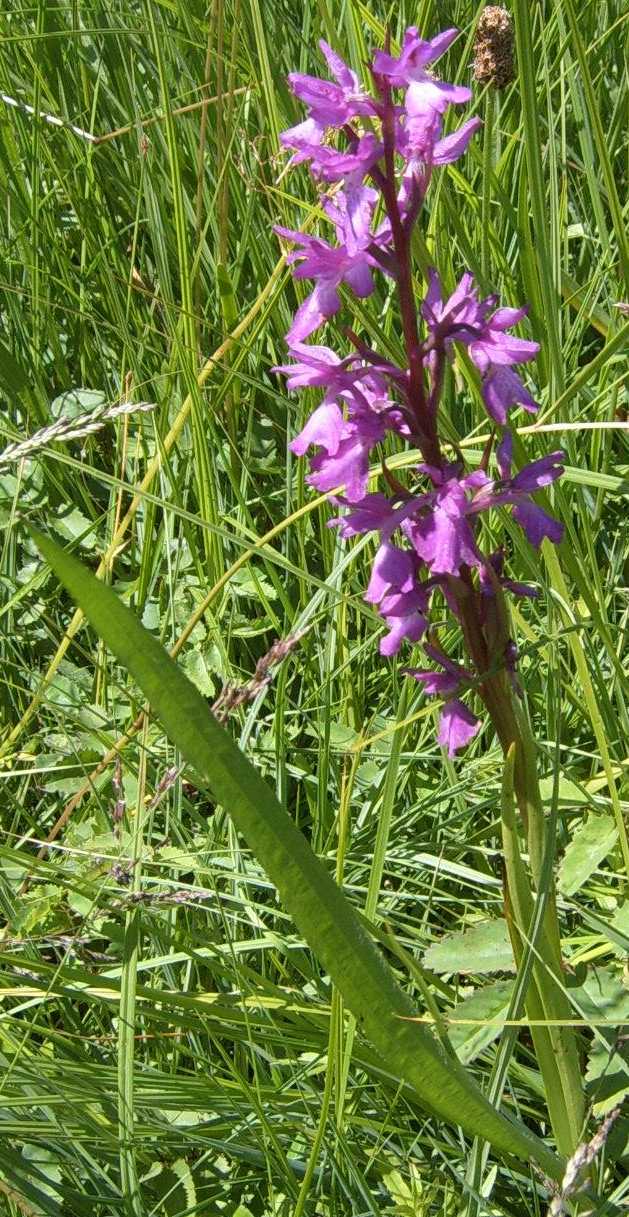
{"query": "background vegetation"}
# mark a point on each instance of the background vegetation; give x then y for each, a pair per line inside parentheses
(168, 1044)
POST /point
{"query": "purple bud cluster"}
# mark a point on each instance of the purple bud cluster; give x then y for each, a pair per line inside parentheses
(374, 187)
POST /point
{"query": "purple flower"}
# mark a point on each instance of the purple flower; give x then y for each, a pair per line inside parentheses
(464, 318)
(502, 388)
(318, 367)
(442, 684)
(504, 455)
(494, 346)
(492, 571)
(371, 514)
(350, 262)
(414, 56)
(441, 534)
(332, 105)
(428, 538)
(409, 68)
(461, 315)
(457, 726)
(452, 146)
(325, 427)
(537, 524)
(393, 570)
(305, 139)
(348, 464)
(353, 164)
(405, 616)
(539, 473)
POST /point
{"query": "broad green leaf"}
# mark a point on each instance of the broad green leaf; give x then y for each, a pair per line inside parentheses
(604, 999)
(591, 843)
(620, 924)
(321, 912)
(476, 1022)
(75, 402)
(482, 949)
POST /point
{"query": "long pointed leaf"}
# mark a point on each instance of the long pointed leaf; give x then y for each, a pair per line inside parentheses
(320, 910)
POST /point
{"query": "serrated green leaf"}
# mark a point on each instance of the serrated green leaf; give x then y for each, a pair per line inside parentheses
(590, 844)
(482, 949)
(321, 912)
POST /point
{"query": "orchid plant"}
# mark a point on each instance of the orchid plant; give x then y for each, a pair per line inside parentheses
(373, 154)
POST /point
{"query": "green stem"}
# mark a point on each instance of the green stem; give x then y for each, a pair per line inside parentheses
(555, 1044)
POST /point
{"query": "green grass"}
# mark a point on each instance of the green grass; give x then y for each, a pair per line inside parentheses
(187, 1056)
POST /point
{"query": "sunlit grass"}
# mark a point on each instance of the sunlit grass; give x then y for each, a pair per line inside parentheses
(126, 265)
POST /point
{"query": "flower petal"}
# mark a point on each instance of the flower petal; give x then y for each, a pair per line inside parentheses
(457, 726)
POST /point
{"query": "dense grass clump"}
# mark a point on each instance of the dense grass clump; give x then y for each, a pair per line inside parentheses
(169, 1044)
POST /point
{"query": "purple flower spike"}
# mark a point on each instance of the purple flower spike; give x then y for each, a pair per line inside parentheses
(457, 726)
(427, 525)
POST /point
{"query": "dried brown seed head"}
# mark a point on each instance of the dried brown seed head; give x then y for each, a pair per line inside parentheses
(493, 47)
